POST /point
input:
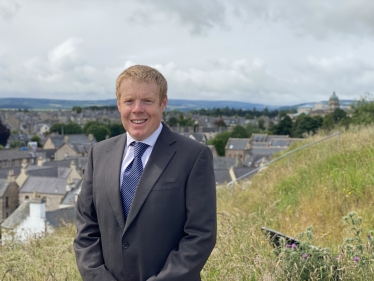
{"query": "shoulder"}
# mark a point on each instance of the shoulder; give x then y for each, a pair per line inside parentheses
(181, 141)
(109, 143)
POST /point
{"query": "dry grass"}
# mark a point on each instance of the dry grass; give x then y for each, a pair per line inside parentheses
(322, 184)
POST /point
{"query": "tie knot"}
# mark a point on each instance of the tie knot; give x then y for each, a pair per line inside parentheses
(139, 149)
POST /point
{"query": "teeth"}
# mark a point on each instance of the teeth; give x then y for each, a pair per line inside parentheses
(138, 121)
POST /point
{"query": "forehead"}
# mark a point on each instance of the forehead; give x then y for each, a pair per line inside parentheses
(131, 87)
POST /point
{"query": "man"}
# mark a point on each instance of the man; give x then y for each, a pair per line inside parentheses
(161, 226)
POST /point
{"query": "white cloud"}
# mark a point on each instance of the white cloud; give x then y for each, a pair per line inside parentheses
(270, 51)
(8, 8)
(200, 16)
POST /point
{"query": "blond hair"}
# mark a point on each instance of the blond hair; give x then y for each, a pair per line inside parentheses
(143, 73)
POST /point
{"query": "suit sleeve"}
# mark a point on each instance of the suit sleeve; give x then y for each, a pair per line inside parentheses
(87, 244)
(186, 262)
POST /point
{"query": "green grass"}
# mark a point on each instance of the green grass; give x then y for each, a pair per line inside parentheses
(321, 185)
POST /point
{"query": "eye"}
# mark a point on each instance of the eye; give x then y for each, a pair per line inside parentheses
(128, 101)
(148, 101)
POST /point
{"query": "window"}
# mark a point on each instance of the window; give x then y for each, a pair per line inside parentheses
(7, 202)
(26, 197)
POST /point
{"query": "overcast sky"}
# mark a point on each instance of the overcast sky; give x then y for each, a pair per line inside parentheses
(274, 52)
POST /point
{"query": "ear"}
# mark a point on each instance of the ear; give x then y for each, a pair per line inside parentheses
(118, 104)
(164, 103)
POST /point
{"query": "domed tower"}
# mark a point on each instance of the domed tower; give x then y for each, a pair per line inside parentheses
(333, 103)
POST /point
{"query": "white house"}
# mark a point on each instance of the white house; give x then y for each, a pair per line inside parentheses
(31, 218)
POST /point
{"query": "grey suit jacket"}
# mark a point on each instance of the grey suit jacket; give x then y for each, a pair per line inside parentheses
(171, 228)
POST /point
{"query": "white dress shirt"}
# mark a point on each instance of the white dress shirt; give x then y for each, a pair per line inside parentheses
(129, 150)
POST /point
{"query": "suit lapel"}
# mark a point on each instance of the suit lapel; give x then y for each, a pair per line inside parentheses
(113, 163)
(157, 162)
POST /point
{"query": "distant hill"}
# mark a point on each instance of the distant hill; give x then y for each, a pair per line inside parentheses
(182, 105)
(174, 104)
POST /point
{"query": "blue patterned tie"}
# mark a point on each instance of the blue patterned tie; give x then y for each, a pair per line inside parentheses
(131, 176)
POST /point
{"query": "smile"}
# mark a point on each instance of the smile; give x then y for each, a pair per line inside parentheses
(141, 121)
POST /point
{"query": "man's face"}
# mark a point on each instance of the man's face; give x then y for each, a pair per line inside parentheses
(140, 108)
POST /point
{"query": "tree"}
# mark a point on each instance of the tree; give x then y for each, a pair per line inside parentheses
(77, 109)
(328, 122)
(305, 125)
(172, 122)
(338, 115)
(220, 123)
(116, 129)
(1, 147)
(363, 110)
(346, 122)
(4, 134)
(56, 128)
(88, 124)
(187, 122)
(284, 126)
(239, 132)
(66, 129)
(72, 128)
(37, 139)
(251, 129)
(261, 123)
(219, 142)
(99, 131)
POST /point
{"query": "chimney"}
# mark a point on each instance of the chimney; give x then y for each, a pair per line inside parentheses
(90, 137)
(37, 208)
(69, 184)
(40, 161)
(11, 177)
(66, 139)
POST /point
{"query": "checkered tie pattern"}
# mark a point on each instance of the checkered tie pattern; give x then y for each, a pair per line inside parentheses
(131, 176)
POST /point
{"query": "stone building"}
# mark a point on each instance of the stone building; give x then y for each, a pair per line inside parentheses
(8, 196)
(333, 103)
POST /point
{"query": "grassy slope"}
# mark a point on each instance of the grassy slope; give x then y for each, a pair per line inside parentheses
(321, 185)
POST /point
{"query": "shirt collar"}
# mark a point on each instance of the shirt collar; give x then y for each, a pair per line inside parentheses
(151, 140)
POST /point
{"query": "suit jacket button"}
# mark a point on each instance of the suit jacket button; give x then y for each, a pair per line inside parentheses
(125, 245)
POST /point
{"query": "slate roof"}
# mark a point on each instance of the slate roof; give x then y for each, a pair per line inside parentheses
(223, 163)
(237, 144)
(4, 172)
(15, 154)
(258, 138)
(260, 144)
(80, 162)
(280, 142)
(242, 171)
(54, 218)
(198, 136)
(58, 140)
(69, 198)
(46, 153)
(48, 171)
(59, 216)
(265, 150)
(3, 186)
(222, 176)
(254, 158)
(18, 216)
(44, 185)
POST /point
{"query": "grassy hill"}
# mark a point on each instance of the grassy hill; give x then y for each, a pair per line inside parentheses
(321, 185)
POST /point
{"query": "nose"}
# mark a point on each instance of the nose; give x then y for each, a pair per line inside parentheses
(138, 107)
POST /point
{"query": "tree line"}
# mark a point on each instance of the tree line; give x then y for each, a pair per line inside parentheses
(99, 130)
(229, 112)
(361, 113)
